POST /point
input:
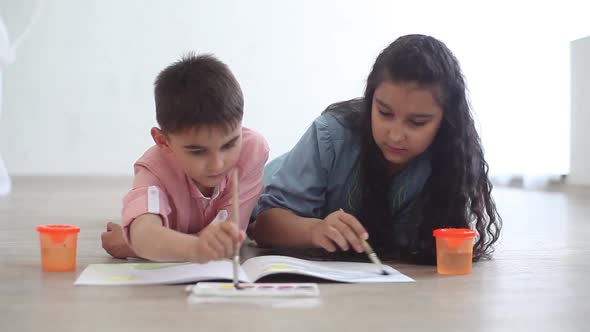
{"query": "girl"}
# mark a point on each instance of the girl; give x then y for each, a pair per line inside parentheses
(390, 167)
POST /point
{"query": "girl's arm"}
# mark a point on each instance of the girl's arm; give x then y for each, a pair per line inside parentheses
(282, 228)
(297, 185)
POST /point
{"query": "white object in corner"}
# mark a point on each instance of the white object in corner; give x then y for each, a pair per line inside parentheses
(6, 58)
(580, 135)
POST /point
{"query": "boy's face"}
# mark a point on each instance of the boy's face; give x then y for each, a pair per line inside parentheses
(205, 153)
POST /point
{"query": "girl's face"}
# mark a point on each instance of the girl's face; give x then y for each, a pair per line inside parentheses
(405, 119)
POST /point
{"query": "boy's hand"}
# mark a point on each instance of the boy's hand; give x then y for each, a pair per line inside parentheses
(339, 229)
(217, 241)
(113, 242)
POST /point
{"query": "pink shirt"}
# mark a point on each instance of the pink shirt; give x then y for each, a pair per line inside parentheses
(161, 187)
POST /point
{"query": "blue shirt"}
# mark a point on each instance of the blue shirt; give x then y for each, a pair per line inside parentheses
(321, 175)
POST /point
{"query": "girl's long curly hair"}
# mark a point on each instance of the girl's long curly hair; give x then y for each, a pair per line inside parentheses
(458, 191)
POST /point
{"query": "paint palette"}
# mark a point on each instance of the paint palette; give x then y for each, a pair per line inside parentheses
(218, 289)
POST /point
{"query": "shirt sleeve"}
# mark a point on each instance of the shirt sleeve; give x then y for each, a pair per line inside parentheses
(147, 196)
(298, 180)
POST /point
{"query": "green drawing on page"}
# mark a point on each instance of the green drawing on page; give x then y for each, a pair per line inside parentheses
(156, 266)
(138, 266)
(279, 267)
(119, 279)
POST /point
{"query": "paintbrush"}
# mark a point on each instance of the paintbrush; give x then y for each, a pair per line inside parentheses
(372, 255)
(236, 216)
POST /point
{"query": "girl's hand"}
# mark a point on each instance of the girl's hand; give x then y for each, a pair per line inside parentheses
(339, 230)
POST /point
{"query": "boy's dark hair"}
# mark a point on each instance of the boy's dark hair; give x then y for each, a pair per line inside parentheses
(197, 90)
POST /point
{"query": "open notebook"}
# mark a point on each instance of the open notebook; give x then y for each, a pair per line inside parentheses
(252, 270)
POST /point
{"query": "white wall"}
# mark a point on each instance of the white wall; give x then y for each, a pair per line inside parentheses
(580, 135)
(79, 100)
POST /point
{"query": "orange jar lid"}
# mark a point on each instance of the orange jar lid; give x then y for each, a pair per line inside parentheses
(454, 232)
(58, 229)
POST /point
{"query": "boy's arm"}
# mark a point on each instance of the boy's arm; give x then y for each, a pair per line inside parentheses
(146, 204)
(150, 240)
(115, 240)
(114, 243)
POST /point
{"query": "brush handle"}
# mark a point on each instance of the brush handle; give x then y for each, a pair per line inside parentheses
(371, 253)
(236, 218)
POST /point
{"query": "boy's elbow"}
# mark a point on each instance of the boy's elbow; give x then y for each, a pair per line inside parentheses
(136, 238)
(139, 233)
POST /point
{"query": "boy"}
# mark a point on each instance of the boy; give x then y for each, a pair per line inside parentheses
(183, 182)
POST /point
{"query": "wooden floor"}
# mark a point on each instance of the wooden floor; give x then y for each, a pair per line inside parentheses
(538, 281)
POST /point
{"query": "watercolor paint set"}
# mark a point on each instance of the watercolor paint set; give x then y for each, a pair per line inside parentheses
(218, 289)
